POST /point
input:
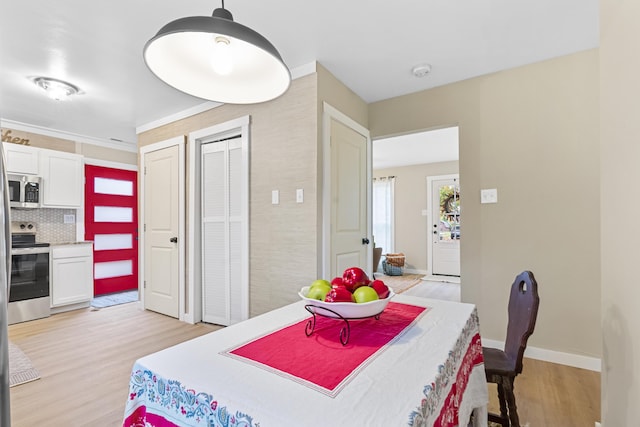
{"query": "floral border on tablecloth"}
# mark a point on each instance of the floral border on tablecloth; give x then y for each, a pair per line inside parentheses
(466, 353)
(169, 399)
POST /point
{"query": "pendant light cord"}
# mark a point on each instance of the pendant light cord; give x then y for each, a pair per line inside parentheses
(223, 4)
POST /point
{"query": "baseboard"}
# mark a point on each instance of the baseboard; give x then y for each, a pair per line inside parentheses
(414, 271)
(70, 307)
(568, 359)
(445, 279)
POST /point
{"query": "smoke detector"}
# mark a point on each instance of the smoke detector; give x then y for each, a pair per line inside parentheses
(421, 70)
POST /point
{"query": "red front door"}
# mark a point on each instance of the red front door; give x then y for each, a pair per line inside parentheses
(111, 222)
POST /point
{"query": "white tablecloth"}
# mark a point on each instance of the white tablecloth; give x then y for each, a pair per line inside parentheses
(407, 384)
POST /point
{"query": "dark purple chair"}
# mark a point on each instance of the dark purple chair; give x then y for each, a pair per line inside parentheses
(502, 366)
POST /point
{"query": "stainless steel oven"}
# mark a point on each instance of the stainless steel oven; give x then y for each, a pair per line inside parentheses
(29, 285)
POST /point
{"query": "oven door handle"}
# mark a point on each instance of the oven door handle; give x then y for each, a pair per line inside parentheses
(28, 251)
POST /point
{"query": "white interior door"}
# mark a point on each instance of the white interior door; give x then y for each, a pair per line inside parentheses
(444, 196)
(349, 211)
(161, 230)
(222, 237)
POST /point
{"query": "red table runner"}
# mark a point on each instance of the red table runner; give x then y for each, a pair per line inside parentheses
(320, 360)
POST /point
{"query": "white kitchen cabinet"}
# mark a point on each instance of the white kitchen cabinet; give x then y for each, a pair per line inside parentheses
(62, 179)
(22, 159)
(71, 274)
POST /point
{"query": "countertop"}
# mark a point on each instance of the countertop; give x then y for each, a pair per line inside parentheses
(84, 242)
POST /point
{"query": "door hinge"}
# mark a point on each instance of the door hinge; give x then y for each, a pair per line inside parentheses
(145, 170)
(145, 228)
(145, 284)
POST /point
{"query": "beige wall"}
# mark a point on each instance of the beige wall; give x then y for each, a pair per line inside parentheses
(88, 150)
(532, 133)
(283, 248)
(620, 157)
(40, 141)
(334, 92)
(285, 154)
(92, 151)
(410, 194)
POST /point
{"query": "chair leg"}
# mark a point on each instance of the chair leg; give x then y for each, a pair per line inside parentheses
(503, 406)
(511, 402)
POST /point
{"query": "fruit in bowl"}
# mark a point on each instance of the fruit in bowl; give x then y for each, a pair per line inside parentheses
(368, 299)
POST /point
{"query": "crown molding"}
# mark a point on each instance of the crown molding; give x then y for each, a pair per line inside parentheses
(296, 73)
(205, 106)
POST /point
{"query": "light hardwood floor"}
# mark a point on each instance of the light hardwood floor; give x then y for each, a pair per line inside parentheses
(547, 394)
(85, 358)
(436, 290)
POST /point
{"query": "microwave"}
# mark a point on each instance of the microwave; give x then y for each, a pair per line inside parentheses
(24, 191)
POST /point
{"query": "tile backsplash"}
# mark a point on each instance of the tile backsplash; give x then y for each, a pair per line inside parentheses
(50, 224)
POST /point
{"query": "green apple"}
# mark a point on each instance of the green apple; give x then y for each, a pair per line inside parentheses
(319, 290)
(320, 282)
(365, 294)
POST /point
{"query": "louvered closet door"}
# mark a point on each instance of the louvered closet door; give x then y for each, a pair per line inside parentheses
(222, 231)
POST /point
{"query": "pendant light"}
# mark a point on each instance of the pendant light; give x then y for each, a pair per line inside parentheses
(215, 58)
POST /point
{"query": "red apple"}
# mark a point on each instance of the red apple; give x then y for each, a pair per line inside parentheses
(381, 289)
(337, 281)
(339, 294)
(353, 278)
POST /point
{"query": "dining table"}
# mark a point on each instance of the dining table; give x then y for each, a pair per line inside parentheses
(418, 363)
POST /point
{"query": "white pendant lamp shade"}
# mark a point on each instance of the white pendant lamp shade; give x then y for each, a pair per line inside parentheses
(215, 58)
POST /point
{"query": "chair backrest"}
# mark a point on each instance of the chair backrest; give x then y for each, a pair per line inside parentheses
(523, 311)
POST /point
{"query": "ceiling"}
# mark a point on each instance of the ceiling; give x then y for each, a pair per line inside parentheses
(434, 146)
(369, 45)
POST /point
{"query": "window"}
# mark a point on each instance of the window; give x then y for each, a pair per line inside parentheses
(383, 206)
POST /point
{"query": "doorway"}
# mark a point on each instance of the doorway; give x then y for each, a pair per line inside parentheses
(111, 223)
(218, 273)
(411, 158)
(444, 215)
(163, 248)
(346, 194)
(223, 217)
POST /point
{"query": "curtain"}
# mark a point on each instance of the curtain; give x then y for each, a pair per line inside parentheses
(383, 207)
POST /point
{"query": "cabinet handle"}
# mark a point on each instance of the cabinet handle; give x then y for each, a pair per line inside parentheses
(173, 240)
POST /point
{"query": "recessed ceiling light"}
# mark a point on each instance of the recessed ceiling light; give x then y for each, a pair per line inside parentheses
(421, 70)
(55, 88)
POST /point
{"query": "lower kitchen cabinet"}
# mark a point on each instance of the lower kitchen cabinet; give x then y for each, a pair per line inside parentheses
(71, 276)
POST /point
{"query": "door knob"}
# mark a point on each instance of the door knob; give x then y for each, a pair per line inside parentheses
(365, 241)
(173, 240)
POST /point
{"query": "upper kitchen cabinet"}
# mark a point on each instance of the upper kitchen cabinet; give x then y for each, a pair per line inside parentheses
(63, 179)
(22, 159)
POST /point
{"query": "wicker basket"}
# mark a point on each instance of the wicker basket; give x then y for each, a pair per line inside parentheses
(397, 260)
(393, 264)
